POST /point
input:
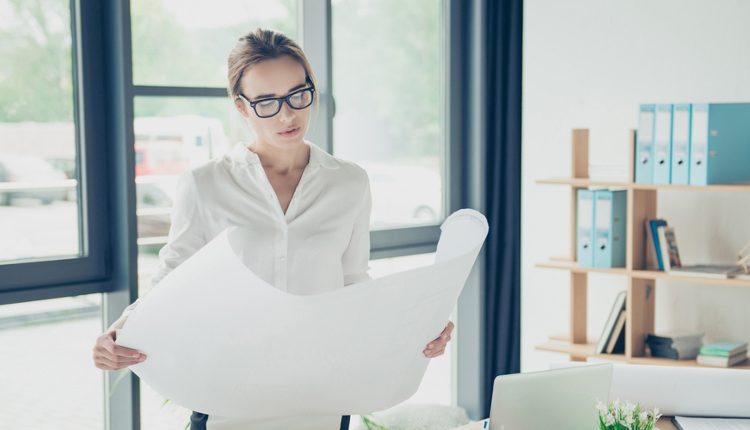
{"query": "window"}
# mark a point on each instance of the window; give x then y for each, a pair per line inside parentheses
(47, 377)
(72, 115)
(39, 210)
(186, 43)
(54, 244)
(388, 85)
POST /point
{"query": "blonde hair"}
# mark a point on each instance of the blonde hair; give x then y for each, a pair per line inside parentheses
(261, 45)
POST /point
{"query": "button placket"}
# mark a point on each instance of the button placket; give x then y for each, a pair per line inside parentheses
(282, 246)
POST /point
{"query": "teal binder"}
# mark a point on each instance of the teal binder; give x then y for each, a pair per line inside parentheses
(585, 228)
(720, 143)
(610, 209)
(681, 144)
(662, 144)
(644, 146)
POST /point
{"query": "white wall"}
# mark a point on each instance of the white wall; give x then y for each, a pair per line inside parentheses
(590, 63)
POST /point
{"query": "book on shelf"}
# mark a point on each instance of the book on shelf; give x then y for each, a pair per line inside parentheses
(609, 327)
(723, 354)
(713, 271)
(616, 344)
(716, 361)
(668, 247)
(675, 345)
(724, 349)
(653, 250)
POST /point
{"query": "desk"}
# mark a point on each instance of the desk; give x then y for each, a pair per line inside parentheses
(665, 423)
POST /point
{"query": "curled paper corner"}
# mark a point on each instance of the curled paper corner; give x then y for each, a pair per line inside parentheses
(462, 214)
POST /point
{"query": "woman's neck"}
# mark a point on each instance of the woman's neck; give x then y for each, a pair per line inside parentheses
(281, 160)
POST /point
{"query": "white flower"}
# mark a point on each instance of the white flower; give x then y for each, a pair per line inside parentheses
(601, 407)
(609, 419)
(643, 418)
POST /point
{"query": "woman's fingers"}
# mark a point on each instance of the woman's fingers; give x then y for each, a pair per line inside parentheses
(122, 351)
(448, 329)
(108, 343)
(433, 354)
(105, 363)
(110, 356)
(441, 341)
(117, 360)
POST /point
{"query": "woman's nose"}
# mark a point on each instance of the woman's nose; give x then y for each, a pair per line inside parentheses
(287, 113)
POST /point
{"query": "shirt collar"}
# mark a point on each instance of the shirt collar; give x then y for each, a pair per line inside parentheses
(240, 154)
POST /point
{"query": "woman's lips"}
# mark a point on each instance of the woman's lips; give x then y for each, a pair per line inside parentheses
(290, 132)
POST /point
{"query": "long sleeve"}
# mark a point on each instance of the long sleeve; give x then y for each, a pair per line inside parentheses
(356, 258)
(185, 235)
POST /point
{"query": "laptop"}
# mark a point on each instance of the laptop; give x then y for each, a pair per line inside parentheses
(552, 399)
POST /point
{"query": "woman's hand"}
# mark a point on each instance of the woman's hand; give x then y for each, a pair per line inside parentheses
(436, 348)
(109, 356)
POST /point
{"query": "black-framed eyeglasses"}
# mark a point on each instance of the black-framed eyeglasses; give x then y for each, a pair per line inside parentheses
(268, 107)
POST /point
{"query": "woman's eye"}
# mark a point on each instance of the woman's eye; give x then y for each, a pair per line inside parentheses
(266, 103)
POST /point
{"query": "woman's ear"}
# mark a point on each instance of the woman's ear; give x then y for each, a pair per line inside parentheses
(240, 106)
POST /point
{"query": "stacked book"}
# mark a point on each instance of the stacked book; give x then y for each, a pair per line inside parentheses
(723, 354)
(675, 345)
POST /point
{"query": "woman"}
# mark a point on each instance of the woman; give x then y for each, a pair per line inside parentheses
(309, 212)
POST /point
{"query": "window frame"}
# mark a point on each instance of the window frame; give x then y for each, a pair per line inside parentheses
(54, 277)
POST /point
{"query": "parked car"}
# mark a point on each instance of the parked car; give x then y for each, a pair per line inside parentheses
(404, 194)
(25, 177)
(153, 207)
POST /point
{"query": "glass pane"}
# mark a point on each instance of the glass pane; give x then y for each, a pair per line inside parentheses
(48, 377)
(172, 134)
(186, 42)
(39, 215)
(388, 84)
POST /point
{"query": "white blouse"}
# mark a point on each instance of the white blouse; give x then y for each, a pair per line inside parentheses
(322, 242)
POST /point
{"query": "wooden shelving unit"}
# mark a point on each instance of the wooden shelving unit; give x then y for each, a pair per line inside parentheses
(641, 281)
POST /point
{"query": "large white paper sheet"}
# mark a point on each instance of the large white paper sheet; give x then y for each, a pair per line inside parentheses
(692, 391)
(222, 341)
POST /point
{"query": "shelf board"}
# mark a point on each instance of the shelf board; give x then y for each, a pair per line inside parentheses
(582, 182)
(671, 276)
(641, 274)
(586, 182)
(578, 350)
(587, 350)
(573, 267)
(715, 187)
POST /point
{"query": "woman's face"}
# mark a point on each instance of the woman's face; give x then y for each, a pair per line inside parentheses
(275, 78)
